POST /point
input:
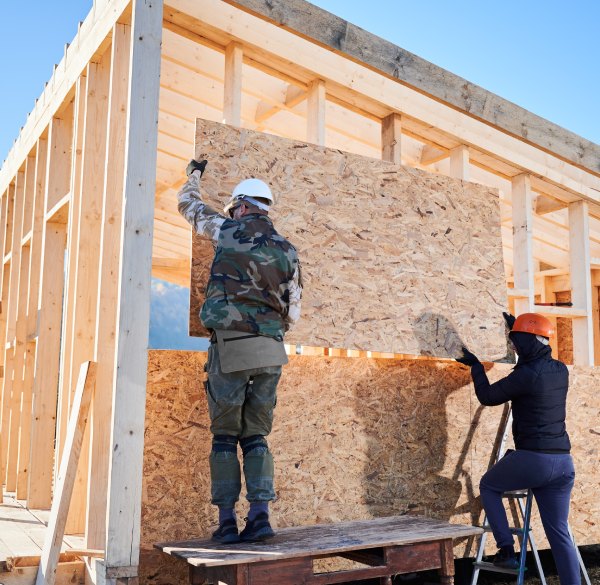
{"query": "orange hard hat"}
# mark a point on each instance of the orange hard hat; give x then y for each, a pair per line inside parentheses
(533, 323)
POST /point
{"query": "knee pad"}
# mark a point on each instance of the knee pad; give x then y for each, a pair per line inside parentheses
(224, 444)
(254, 442)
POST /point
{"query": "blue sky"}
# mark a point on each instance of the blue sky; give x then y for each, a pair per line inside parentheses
(541, 54)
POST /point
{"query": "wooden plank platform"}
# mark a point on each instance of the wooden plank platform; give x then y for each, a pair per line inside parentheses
(387, 546)
(22, 531)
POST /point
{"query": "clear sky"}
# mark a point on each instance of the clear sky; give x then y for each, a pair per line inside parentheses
(541, 54)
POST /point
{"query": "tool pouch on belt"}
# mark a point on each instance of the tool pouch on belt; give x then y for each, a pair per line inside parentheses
(247, 351)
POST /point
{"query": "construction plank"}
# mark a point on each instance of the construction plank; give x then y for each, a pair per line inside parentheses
(34, 483)
(47, 361)
(66, 476)
(394, 259)
(391, 138)
(85, 307)
(295, 542)
(64, 388)
(522, 219)
(232, 90)
(316, 104)
(581, 283)
(12, 360)
(129, 382)
(112, 216)
(339, 36)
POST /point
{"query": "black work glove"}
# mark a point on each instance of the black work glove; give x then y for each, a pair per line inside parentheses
(194, 165)
(467, 358)
(509, 319)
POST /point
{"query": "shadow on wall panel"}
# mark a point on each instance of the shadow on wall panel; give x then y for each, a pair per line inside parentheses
(382, 246)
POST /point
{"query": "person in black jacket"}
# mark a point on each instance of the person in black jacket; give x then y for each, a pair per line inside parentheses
(541, 461)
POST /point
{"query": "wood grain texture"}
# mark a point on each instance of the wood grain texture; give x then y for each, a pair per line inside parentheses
(364, 47)
(353, 439)
(321, 539)
(394, 259)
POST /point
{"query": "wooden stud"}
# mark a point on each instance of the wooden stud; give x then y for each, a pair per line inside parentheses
(391, 134)
(5, 402)
(232, 97)
(581, 283)
(522, 214)
(64, 394)
(12, 363)
(85, 297)
(66, 476)
(49, 308)
(129, 383)
(596, 321)
(459, 163)
(316, 104)
(33, 492)
(112, 216)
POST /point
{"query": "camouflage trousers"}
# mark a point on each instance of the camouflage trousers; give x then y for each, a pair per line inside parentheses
(240, 406)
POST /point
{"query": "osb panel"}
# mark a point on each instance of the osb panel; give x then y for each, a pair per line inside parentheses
(394, 259)
(353, 438)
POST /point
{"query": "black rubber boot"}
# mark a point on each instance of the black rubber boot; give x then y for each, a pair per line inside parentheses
(506, 558)
(227, 533)
(257, 529)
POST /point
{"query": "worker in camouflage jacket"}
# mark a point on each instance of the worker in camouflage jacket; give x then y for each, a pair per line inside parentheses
(252, 298)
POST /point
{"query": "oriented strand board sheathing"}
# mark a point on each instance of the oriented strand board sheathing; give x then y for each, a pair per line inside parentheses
(353, 438)
(394, 259)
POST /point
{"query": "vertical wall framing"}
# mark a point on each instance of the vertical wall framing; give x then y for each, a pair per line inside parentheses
(522, 215)
(581, 282)
(112, 217)
(316, 104)
(12, 386)
(85, 280)
(38, 489)
(129, 390)
(391, 138)
(232, 98)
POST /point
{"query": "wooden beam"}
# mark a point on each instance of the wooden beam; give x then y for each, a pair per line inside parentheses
(47, 358)
(459, 163)
(12, 385)
(35, 479)
(106, 323)
(232, 96)
(72, 212)
(353, 78)
(66, 475)
(85, 298)
(391, 138)
(129, 382)
(5, 402)
(522, 212)
(432, 154)
(581, 285)
(25, 391)
(315, 131)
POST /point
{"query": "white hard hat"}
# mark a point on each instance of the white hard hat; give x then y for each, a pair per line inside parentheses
(250, 190)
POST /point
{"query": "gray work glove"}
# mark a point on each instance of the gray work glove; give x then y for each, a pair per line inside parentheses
(467, 358)
(194, 165)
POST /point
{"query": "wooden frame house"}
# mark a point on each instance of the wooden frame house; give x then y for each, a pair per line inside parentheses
(88, 212)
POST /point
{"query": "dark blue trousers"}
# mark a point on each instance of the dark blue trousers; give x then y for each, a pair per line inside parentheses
(550, 477)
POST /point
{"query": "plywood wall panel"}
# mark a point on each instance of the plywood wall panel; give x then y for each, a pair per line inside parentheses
(394, 259)
(353, 438)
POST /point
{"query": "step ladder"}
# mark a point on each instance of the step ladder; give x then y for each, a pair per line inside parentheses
(524, 532)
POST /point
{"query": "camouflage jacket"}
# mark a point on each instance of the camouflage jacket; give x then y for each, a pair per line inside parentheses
(255, 283)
